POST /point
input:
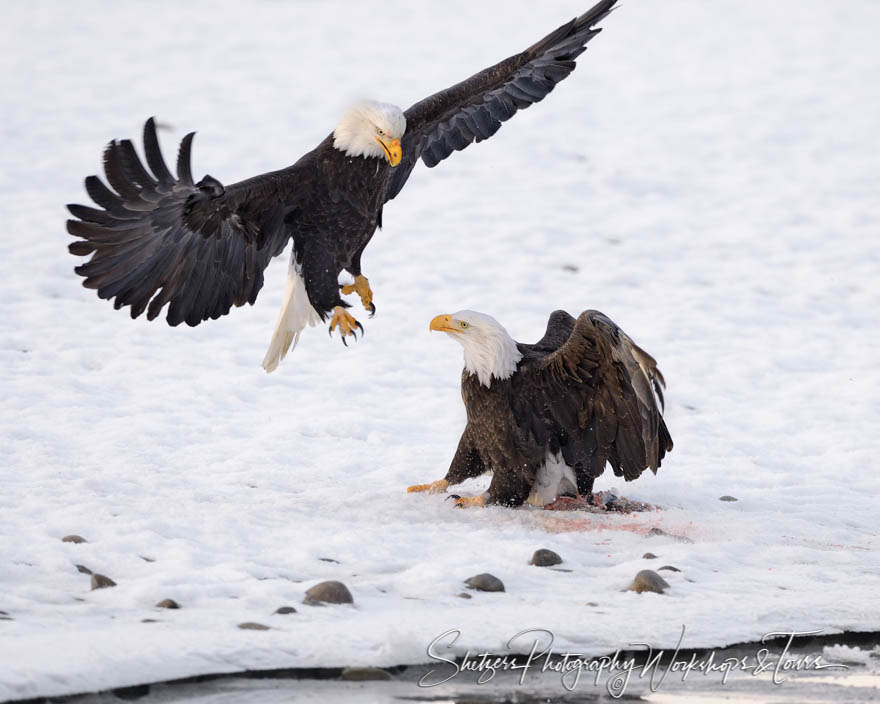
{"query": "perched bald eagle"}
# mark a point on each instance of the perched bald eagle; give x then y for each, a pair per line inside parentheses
(201, 247)
(545, 418)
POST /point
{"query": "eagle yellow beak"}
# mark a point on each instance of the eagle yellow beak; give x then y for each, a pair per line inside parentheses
(443, 323)
(392, 149)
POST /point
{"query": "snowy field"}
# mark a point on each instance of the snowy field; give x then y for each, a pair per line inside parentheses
(711, 172)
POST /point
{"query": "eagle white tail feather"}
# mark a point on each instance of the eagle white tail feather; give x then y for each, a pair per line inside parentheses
(296, 313)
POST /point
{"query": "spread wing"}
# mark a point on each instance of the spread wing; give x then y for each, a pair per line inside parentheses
(157, 239)
(474, 109)
(602, 393)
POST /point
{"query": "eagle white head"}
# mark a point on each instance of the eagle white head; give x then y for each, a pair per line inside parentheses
(489, 351)
(371, 129)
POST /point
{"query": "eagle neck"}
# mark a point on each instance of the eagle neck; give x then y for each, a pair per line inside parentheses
(494, 355)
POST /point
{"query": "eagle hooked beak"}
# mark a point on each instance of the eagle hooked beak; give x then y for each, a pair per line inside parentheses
(443, 323)
(392, 149)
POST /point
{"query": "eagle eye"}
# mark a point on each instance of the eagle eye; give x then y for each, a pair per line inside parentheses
(464, 325)
(380, 132)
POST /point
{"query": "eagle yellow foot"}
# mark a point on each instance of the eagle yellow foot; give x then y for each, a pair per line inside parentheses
(346, 323)
(468, 501)
(361, 287)
(433, 488)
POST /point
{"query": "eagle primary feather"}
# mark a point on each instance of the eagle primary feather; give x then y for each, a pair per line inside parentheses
(201, 247)
(582, 396)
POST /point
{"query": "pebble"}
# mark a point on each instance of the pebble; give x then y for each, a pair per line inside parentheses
(168, 604)
(727, 498)
(5, 616)
(83, 569)
(73, 539)
(648, 581)
(464, 595)
(284, 610)
(485, 582)
(331, 592)
(545, 558)
(149, 620)
(251, 626)
(100, 581)
(670, 568)
(649, 556)
(363, 674)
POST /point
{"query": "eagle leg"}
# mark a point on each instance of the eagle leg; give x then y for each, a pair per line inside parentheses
(361, 287)
(437, 487)
(346, 323)
(468, 501)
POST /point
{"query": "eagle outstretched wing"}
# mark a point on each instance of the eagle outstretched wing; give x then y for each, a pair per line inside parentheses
(474, 109)
(602, 390)
(158, 239)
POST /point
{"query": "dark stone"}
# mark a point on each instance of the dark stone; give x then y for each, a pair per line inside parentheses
(100, 581)
(464, 595)
(251, 626)
(727, 498)
(649, 556)
(669, 568)
(147, 559)
(83, 569)
(364, 674)
(329, 559)
(648, 581)
(570, 267)
(149, 620)
(73, 539)
(284, 610)
(545, 558)
(331, 592)
(168, 604)
(485, 582)
(129, 694)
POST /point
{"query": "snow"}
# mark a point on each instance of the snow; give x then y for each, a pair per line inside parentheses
(710, 168)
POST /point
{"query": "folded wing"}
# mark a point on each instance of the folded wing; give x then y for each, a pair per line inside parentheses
(603, 392)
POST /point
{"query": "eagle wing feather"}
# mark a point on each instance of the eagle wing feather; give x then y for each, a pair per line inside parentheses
(159, 240)
(601, 389)
(474, 109)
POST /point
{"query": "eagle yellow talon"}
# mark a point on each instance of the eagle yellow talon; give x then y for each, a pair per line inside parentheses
(433, 488)
(470, 501)
(346, 322)
(361, 287)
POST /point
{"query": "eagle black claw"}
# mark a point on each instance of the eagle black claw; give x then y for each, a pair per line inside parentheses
(372, 309)
(454, 497)
(361, 328)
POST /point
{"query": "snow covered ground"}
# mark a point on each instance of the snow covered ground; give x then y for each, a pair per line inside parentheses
(711, 171)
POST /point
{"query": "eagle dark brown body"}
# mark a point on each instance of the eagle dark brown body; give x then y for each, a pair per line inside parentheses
(585, 393)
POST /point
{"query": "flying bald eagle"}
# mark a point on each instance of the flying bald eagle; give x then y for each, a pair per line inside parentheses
(545, 418)
(201, 247)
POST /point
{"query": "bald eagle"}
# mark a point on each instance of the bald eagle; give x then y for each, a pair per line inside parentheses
(545, 418)
(201, 247)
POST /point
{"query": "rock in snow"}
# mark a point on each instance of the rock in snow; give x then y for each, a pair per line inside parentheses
(648, 581)
(101, 581)
(545, 558)
(331, 592)
(485, 582)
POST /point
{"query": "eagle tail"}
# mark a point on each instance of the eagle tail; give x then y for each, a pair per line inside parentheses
(296, 313)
